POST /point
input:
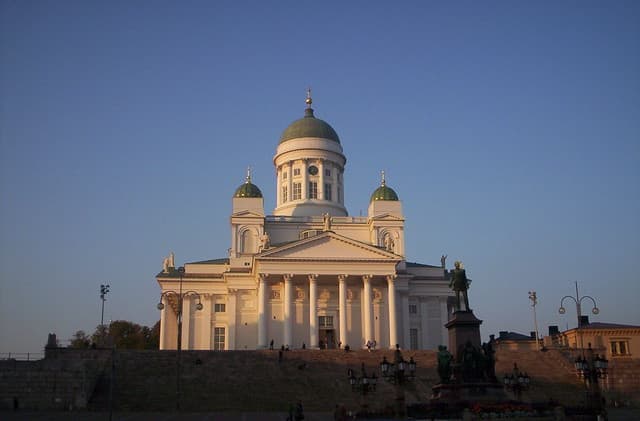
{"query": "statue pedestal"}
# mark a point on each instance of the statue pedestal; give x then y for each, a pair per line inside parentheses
(457, 393)
(463, 327)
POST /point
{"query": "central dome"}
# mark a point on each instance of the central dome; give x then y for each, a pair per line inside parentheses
(309, 126)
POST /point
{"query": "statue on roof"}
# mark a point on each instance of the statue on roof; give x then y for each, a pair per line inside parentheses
(443, 261)
(168, 263)
(460, 284)
(327, 222)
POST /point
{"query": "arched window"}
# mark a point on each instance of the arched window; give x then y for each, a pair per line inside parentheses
(248, 242)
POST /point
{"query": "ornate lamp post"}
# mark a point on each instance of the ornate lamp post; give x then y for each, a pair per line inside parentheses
(104, 290)
(180, 297)
(517, 382)
(398, 373)
(534, 301)
(578, 300)
(591, 369)
(363, 384)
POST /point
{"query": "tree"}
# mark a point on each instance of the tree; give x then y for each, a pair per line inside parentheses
(80, 340)
(152, 336)
(126, 335)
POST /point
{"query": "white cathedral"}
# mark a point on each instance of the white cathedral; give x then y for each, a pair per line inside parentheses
(309, 275)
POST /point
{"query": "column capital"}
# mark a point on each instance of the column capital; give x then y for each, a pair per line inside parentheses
(391, 278)
(367, 278)
(287, 277)
(263, 276)
(342, 278)
(312, 277)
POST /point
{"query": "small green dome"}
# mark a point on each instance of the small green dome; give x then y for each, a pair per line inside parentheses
(309, 126)
(384, 193)
(248, 189)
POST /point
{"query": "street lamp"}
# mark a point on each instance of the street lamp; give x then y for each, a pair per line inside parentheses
(363, 384)
(578, 300)
(104, 290)
(592, 369)
(180, 297)
(534, 300)
(517, 382)
(397, 373)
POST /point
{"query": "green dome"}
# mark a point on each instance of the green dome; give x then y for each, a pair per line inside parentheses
(384, 193)
(309, 126)
(248, 189)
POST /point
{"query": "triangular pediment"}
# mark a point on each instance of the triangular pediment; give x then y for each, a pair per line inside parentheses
(386, 217)
(247, 214)
(329, 246)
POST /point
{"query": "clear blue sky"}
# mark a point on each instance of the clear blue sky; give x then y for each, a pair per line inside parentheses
(510, 131)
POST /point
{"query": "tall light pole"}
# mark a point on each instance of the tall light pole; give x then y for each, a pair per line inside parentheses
(180, 297)
(578, 300)
(104, 290)
(534, 300)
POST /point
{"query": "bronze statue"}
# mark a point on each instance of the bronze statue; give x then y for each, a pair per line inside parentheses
(444, 364)
(460, 285)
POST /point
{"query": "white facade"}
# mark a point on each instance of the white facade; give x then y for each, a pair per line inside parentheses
(310, 273)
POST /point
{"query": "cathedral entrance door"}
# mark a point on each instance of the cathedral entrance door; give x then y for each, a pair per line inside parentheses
(328, 339)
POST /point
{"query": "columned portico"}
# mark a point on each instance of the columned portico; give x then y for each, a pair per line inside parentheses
(366, 306)
(313, 312)
(393, 325)
(342, 307)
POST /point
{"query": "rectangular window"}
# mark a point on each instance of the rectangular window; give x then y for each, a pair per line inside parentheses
(218, 339)
(620, 347)
(220, 308)
(327, 172)
(327, 191)
(284, 175)
(296, 171)
(413, 338)
(339, 195)
(413, 309)
(297, 191)
(325, 321)
(284, 194)
(313, 190)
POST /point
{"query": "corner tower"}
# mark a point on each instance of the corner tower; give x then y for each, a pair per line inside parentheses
(309, 168)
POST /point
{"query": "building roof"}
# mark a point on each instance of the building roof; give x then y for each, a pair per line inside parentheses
(599, 325)
(221, 261)
(248, 189)
(513, 336)
(309, 126)
(420, 265)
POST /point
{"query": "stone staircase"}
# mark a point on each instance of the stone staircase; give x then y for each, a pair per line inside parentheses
(255, 381)
(552, 375)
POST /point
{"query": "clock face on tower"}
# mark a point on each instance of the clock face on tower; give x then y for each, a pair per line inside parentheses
(313, 170)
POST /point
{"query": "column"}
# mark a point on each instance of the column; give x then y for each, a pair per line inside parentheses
(393, 326)
(278, 186)
(406, 323)
(290, 182)
(342, 303)
(313, 312)
(444, 318)
(424, 323)
(231, 318)
(305, 179)
(366, 307)
(262, 308)
(321, 179)
(288, 339)
(164, 323)
(203, 338)
(186, 322)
